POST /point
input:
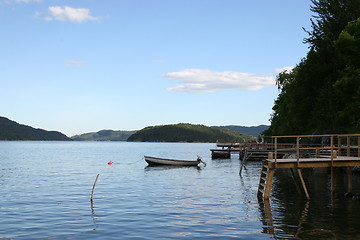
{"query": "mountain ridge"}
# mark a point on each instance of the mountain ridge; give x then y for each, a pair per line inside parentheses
(104, 135)
(11, 130)
(122, 135)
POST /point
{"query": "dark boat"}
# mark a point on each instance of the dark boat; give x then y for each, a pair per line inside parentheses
(154, 161)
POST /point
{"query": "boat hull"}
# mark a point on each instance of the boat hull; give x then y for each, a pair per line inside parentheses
(154, 161)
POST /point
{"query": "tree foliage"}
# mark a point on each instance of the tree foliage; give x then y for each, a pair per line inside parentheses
(347, 87)
(321, 94)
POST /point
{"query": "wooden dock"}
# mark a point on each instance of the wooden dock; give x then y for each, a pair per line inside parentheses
(334, 151)
(224, 150)
(246, 151)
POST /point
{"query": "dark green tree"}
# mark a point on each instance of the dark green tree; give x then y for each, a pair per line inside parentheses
(309, 101)
(347, 87)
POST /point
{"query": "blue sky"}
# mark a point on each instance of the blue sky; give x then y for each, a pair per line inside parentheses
(87, 65)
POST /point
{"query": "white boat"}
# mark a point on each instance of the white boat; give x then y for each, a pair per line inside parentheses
(153, 161)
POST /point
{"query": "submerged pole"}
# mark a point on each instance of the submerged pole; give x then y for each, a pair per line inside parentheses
(93, 189)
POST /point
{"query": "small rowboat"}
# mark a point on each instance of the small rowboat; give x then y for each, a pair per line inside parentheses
(154, 161)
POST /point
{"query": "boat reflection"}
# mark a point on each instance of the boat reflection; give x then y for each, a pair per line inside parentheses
(169, 167)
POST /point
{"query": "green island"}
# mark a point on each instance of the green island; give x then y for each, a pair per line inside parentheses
(183, 132)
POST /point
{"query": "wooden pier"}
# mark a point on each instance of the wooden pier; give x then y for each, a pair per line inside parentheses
(224, 150)
(334, 151)
(246, 151)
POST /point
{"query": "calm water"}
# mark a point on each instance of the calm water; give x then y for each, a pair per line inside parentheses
(46, 187)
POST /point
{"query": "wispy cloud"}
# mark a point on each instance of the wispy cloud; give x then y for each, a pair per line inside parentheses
(206, 81)
(74, 63)
(68, 14)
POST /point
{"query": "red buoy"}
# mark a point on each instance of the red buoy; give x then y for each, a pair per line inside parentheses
(110, 163)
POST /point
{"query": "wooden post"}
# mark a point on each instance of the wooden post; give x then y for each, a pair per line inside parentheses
(332, 149)
(303, 184)
(348, 146)
(317, 152)
(349, 179)
(339, 146)
(297, 150)
(334, 154)
(269, 183)
(358, 146)
(332, 162)
(332, 179)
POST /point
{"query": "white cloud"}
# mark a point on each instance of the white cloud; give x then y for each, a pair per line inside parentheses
(74, 63)
(68, 14)
(287, 69)
(206, 81)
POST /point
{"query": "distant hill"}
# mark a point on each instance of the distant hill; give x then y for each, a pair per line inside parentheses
(11, 130)
(184, 132)
(104, 135)
(253, 131)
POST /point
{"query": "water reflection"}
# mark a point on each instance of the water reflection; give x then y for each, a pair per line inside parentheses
(93, 215)
(328, 215)
(267, 219)
(46, 191)
(271, 227)
(169, 167)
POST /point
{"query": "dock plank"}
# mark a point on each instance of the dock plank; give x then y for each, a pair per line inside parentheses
(314, 162)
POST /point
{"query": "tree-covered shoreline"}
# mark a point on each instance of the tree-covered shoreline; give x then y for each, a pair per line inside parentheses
(322, 93)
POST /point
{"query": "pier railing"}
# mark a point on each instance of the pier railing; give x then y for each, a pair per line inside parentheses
(316, 146)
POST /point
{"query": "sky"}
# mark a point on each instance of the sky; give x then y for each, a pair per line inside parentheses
(87, 65)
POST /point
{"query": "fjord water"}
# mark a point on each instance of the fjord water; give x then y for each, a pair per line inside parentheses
(46, 187)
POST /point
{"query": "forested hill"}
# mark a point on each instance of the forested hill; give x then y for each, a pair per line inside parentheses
(10, 130)
(104, 135)
(183, 132)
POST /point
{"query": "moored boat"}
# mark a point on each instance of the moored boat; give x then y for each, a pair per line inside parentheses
(154, 161)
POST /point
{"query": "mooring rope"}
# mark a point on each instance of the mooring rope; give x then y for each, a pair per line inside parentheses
(200, 160)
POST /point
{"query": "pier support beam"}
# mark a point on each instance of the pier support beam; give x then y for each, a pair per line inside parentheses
(295, 182)
(303, 184)
(269, 183)
(349, 179)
